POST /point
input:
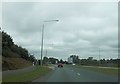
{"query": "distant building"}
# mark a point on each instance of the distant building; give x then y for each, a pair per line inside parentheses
(75, 58)
(70, 60)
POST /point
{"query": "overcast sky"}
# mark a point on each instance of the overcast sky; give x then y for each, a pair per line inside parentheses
(82, 29)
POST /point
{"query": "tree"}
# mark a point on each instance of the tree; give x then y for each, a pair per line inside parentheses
(53, 60)
(61, 61)
(9, 49)
(45, 60)
(32, 58)
(7, 41)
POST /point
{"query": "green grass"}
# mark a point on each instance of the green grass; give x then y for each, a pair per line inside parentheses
(0, 80)
(109, 71)
(29, 76)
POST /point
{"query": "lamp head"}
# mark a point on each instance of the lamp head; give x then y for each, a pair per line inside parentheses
(57, 20)
(51, 20)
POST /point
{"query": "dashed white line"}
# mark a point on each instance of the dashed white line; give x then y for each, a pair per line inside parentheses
(78, 74)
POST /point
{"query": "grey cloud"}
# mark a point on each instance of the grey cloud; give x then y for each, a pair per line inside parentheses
(83, 27)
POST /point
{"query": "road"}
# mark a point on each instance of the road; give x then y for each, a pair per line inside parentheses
(74, 74)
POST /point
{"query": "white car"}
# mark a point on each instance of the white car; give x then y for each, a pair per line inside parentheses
(73, 64)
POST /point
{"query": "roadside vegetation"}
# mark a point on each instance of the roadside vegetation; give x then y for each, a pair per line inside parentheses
(29, 76)
(106, 66)
(13, 55)
(106, 70)
(15, 63)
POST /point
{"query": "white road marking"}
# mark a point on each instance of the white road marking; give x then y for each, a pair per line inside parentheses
(52, 67)
(78, 74)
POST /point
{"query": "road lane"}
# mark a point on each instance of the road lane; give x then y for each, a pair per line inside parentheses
(91, 76)
(74, 74)
(60, 75)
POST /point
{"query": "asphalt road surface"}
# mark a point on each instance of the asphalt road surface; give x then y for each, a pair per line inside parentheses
(74, 74)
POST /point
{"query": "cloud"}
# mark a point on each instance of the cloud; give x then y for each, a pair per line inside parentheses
(83, 27)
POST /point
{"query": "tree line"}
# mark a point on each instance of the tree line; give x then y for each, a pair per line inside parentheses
(10, 49)
(51, 60)
(90, 61)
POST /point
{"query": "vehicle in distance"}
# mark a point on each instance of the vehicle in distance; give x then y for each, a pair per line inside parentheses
(60, 65)
(73, 64)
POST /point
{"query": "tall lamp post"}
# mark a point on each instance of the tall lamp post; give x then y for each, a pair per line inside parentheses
(43, 37)
(99, 57)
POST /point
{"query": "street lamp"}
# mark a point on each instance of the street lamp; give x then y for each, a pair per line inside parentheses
(43, 37)
(51, 20)
(99, 57)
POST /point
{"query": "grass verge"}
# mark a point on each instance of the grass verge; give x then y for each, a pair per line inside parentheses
(29, 76)
(109, 71)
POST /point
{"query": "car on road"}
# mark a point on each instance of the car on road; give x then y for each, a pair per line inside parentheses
(73, 64)
(60, 65)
